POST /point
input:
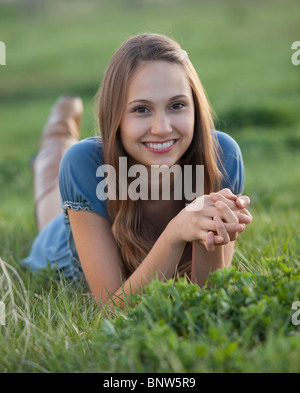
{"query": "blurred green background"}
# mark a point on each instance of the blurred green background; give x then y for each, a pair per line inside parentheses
(240, 49)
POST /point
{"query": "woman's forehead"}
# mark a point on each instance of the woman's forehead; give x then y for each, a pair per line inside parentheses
(154, 78)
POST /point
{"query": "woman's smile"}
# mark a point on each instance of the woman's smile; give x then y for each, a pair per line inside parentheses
(160, 147)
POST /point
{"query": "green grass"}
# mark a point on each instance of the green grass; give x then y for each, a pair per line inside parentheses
(242, 52)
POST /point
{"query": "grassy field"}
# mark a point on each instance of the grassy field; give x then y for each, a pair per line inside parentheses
(242, 52)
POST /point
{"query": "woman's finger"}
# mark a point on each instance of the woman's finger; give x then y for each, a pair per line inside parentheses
(243, 201)
(210, 242)
(243, 218)
(221, 230)
(234, 228)
(226, 213)
(227, 193)
(234, 202)
(219, 197)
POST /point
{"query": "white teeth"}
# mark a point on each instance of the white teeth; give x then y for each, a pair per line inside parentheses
(159, 146)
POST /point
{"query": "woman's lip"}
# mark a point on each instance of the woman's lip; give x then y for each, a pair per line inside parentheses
(167, 140)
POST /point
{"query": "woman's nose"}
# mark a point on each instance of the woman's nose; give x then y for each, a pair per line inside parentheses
(161, 125)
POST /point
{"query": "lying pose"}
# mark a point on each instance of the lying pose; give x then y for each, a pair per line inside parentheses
(153, 113)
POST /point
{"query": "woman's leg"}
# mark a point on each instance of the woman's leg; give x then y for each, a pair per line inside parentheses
(60, 132)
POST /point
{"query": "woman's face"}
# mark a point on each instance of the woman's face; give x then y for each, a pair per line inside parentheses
(157, 125)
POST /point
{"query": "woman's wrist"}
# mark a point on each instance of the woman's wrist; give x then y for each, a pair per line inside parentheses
(172, 235)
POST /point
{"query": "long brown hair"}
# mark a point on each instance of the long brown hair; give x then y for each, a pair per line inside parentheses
(134, 239)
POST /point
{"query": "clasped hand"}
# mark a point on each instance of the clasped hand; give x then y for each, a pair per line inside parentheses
(214, 219)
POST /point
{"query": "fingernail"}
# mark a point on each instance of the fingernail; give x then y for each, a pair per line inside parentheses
(242, 202)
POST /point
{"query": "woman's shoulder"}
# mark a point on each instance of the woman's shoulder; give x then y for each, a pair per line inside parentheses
(232, 165)
(82, 158)
(227, 143)
(78, 178)
(87, 151)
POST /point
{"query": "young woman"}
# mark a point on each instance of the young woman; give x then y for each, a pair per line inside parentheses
(153, 113)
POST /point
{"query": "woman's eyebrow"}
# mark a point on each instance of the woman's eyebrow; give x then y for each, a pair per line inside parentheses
(144, 101)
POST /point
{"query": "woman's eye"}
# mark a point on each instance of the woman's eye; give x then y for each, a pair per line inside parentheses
(177, 105)
(141, 109)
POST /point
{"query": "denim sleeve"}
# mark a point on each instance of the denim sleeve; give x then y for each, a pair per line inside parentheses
(232, 164)
(77, 177)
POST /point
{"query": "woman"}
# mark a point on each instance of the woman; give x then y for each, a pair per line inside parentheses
(152, 113)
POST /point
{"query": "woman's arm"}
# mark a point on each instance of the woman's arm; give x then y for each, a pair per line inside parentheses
(98, 252)
(205, 262)
(102, 264)
(215, 227)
